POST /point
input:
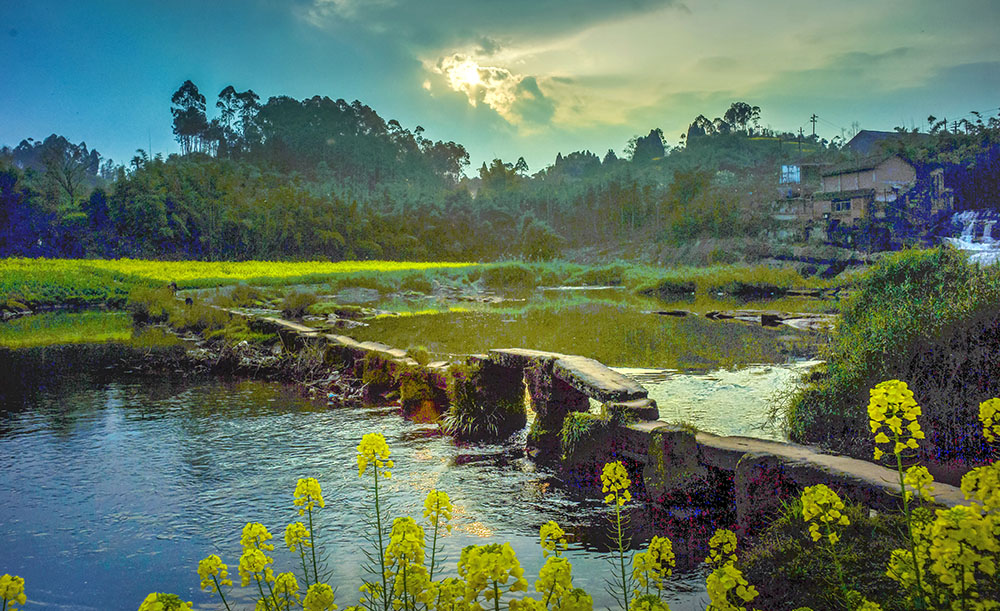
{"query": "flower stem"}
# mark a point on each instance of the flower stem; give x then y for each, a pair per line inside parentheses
(381, 545)
(621, 550)
(261, 589)
(218, 589)
(919, 599)
(305, 571)
(312, 539)
(437, 523)
(496, 596)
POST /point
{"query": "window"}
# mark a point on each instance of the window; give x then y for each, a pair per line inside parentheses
(790, 174)
(841, 205)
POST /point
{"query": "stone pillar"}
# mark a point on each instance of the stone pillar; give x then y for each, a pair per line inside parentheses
(551, 399)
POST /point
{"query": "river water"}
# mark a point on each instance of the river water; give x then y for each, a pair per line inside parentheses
(113, 485)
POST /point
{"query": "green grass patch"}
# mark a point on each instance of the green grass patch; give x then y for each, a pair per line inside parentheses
(94, 281)
(66, 328)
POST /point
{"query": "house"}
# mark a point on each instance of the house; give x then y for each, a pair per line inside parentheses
(873, 188)
(849, 192)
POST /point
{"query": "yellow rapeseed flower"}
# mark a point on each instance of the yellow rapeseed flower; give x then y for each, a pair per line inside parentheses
(406, 543)
(615, 482)
(648, 602)
(920, 479)
(308, 494)
(437, 505)
(254, 536)
(296, 535)
(373, 448)
(891, 404)
(726, 580)
(555, 578)
(982, 485)
(484, 565)
(553, 539)
(989, 415)
(319, 598)
(253, 561)
(211, 569)
(12, 591)
(722, 547)
(821, 502)
(655, 564)
(286, 586)
(164, 602)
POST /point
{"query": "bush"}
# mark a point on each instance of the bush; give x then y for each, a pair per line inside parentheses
(579, 432)
(295, 303)
(790, 572)
(148, 304)
(509, 276)
(927, 318)
(667, 289)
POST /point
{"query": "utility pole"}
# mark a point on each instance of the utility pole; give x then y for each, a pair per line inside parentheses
(954, 127)
(812, 119)
(800, 140)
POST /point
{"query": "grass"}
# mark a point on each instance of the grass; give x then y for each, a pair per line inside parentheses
(735, 280)
(35, 282)
(94, 281)
(66, 328)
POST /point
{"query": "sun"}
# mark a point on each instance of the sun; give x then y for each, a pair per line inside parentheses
(464, 75)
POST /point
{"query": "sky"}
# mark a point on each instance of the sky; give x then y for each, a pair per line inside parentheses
(505, 78)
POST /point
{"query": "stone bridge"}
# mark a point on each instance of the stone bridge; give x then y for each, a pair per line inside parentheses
(673, 462)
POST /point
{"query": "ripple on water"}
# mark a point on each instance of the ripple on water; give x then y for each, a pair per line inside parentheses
(116, 489)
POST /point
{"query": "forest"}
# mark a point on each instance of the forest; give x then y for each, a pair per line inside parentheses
(326, 179)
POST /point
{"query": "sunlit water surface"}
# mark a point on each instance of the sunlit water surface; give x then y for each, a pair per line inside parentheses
(113, 488)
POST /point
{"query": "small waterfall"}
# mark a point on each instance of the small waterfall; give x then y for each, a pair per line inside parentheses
(975, 235)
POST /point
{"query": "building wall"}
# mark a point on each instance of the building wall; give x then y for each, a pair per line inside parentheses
(893, 172)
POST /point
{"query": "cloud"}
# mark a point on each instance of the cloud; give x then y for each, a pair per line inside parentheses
(516, 98)
(452, 23)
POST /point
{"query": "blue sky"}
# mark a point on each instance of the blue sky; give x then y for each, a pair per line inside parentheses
(512, 78)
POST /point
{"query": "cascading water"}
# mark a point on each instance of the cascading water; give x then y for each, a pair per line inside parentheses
(975, 235)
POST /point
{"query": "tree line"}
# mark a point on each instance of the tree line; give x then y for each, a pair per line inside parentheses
(323, 178)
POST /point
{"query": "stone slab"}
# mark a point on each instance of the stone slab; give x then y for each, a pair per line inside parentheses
(806, 467)
(596, 380)
(637, 409)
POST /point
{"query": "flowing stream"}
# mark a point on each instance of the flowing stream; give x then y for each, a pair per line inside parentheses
(113, 485)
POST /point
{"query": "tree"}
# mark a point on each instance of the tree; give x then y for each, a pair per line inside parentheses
(190, 122)
(740, 115)
(649, 147)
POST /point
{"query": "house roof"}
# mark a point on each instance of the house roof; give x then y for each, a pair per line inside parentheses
(860, 165)
(869, 141)
(853, 194)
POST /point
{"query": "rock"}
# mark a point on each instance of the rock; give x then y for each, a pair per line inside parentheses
(678, 313)
(630, 411)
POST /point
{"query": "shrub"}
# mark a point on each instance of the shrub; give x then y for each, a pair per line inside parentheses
(148, 304)
(295, 303)
(790, 573)
(509, 276)
(667, 289)
(579, 432)
(925, 317)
